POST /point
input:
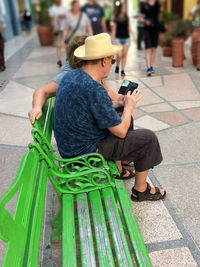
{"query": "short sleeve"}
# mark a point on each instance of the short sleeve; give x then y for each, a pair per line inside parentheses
(102, 109)
(194, 9)
(101, 12)
(51, 11)
(87, 20)
(142, 8)
(60, 76)
(67, 21)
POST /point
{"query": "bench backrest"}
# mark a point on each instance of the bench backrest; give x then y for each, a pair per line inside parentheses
(22, 231)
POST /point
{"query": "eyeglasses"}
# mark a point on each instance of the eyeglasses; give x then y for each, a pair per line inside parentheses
(112, 60)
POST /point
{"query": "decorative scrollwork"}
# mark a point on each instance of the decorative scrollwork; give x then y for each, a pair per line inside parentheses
(74, 175)
(82, 181)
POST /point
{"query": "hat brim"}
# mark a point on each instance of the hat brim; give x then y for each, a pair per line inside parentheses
(80, 52)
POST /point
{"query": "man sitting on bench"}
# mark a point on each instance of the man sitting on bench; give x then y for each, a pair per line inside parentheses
(85, 119)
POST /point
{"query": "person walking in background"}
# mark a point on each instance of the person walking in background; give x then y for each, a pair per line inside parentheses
(140, 30)
(107, 16)
(121, 36)
(2, 29)
(149, 12)
(96, 14)
(77, 22)
(58, 14)
(195, 14)
(27, 20)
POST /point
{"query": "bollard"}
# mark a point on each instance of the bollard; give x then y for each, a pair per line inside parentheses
(177, 52)
(195, 39)
(198, 55)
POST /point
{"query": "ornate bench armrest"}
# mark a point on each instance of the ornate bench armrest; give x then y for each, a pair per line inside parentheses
(79, 182)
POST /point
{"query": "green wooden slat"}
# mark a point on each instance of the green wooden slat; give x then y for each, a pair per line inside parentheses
(85, 232)
(49, 121)
(119, 239)
(137, 242)
(18, 239)
(32, 250)
(69, 235)
(104, 250)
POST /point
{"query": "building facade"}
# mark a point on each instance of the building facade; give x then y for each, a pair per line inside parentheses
(11, 10)
(180, 7)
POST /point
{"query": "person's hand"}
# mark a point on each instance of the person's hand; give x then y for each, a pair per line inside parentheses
(3, 29)
(34, 114)
(147, 22)
(130, 101)
(120, 100)
(62, 16)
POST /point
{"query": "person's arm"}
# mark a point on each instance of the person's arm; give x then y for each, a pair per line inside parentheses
(131, 31)
(103, 24)
(88, 24)
(113, 33)
(64, 36)
(40, 97)
(130, 102)
(89, 30)
(113, 96)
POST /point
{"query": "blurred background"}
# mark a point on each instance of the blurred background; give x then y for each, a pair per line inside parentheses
(13, 10)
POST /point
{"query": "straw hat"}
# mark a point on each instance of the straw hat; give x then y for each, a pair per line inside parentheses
(96, 47)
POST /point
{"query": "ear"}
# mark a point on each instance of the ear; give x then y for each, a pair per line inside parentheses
(103, 62)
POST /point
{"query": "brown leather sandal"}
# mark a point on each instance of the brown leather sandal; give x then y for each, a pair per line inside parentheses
(122, 177)
(146, 195)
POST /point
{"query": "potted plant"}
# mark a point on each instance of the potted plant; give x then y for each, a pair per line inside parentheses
(44, 23)
(178, 29)
(166, 18)
(167, 45)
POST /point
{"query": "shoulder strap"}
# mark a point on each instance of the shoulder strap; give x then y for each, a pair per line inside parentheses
(77, 26)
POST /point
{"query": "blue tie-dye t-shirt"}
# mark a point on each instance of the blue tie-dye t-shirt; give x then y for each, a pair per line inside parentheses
(83, 113)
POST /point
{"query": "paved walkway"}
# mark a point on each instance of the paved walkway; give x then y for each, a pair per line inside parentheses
(170, 107)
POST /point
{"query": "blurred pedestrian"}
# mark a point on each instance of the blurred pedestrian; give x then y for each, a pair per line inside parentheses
(27, 20)
(77, 22)
(149, 12)
(121, 36)
(2, 29)
(96, 14)
(195, 13)
(58, 13)
(107, 16)
(140, 30)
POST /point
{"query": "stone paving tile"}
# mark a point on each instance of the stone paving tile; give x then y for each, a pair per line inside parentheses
(151, 123)
(137, 113)
(47, 59)
(16, 99)
(195, 77)
(148, 98)
(172, 117)
(42, 51)
(35, 82)
(157, 108)
(153, 82)
(15, 131)
(178, 87)
(181, 144)
(10, 159)
(182, 184)
(186, 104)
(193, 114)
(36, 68)
(150, 215)
(178, 257)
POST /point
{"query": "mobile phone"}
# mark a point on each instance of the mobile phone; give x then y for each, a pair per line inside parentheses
(127, 86)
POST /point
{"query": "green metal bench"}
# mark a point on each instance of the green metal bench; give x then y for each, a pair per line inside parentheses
(96, 221)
